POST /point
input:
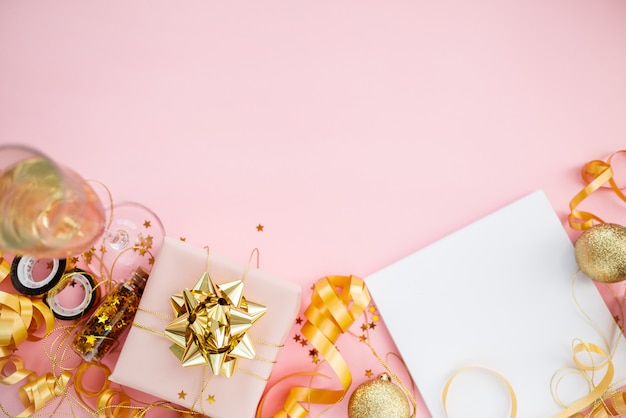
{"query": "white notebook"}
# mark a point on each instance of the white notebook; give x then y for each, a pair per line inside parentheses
(496, 294)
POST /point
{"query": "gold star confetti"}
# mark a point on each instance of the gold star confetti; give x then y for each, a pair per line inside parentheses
(151, 261)
(296, 338)
(74, 260)
(90, 339)
(364, 327)
(372, 325)
(315, 359)
(147, 224)
(259, 228)
(183, 239)
(313, 352)
(372, 309)
(50, 265)
(368, 373)
(102, 319)
(298, 320)
(375, 318)
(362, 338)
(211, 398)
(87, 255)
(181, 394)
(303, 342)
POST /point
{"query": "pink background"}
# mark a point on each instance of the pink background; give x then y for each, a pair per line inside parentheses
(356, 132)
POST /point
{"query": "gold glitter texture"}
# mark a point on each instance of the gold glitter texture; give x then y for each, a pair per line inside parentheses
(601, 253)
(378, 398)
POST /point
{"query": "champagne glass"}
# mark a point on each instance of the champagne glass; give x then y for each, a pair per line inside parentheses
(46, 209)
(132, 238)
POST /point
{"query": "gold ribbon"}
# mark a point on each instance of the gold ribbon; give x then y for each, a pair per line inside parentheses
(446, 388)
(337, 301)
(601, 401)
(595, 174)
(20, 318)
(36, 393)
(5, 267)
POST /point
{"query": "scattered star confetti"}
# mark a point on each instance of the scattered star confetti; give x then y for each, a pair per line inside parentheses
(364, 327)
(181, 394)
(50, 264)
(315, 359)
(183, 239)
(147, 224)
(102, 319)
(298, 320)
(375, 318)
(74, 260)
(368, 373)
(259, 228)
(303, 342)
(297, 338)
(372, 325)
(211, 398)
(372, 309)
(73, 283)
(313, 352)
(362, 338)
(90, 339)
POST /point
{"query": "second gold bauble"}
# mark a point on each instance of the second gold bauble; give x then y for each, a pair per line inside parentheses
(378, 398)
(601, 252)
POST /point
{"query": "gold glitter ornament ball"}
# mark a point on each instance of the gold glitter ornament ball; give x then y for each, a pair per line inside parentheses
(378, 398)
(601, 253)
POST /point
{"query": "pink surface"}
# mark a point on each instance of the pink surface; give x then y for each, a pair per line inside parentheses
(354, 132)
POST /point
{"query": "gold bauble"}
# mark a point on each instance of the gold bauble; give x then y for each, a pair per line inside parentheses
(601, 253)
(378, 398)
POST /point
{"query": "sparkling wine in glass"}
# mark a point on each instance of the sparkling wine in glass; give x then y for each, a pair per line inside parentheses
(46, 209)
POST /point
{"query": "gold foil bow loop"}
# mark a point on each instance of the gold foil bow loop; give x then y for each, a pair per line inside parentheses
(211, 325)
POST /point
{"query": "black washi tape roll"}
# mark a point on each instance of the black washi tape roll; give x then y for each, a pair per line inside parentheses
(23, 280)
(73, 278)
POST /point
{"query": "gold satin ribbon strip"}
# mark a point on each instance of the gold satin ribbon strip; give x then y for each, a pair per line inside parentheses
(5, 267)
(446, 388)
(19, 374)
(39, 391)
(597, 397)
(595, 174)
(337, 301)
(20, 318)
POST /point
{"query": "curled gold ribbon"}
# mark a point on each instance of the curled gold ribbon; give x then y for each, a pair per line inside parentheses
(446, 388)
(36, 393)
(600, 398)
(20, 318)
(5, 267)
(337, 301)
(595, 174)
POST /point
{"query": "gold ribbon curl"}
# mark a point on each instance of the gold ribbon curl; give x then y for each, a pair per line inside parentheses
(40, 390)
(20, 318)
(595, 174)
(337, 301)
(601, 401)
